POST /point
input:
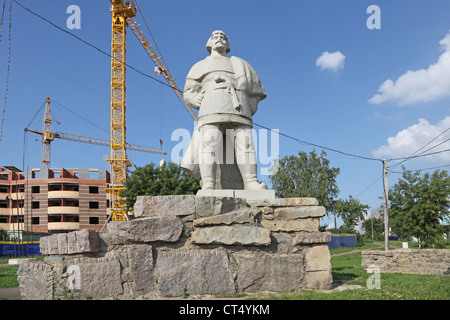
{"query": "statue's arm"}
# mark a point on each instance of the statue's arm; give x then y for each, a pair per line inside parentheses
(193, 95)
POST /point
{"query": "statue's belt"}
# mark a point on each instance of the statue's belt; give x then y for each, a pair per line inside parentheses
(231, 91)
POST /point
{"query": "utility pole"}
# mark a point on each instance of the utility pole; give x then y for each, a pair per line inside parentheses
(386, 206)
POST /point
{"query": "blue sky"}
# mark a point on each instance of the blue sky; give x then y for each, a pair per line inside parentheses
(385, 95)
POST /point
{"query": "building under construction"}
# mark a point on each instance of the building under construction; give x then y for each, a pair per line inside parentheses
(52, 200)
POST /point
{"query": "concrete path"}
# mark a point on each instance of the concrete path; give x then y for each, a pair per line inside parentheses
(10, 293)
(381, 245)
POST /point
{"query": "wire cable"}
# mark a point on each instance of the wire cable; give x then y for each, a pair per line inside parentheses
(80, 116)
(318, 146)
(90, 44)
(151, 35)
(412, 156)
(423, 169)
(368, 187)
(1, 19)
(35, 115)
(280, 133)
(8, 70)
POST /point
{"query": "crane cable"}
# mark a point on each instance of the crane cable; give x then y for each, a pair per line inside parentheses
(153, 38)
(1, 20)
(9, 64)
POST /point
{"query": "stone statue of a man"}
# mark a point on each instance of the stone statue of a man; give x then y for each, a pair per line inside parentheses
(226, 91)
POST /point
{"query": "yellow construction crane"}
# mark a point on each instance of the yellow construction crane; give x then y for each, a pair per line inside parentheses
(122, 16)
(48, 136)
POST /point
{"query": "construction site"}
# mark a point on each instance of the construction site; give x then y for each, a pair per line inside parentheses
(89, 100)
(53, 200)
(87, 227)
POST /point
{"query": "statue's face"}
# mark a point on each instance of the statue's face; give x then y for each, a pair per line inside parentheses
(219, 41)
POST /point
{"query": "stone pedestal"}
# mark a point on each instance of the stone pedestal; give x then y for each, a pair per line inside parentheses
(249, 195)
(190, 244)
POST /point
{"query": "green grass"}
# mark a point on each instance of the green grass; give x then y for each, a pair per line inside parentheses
(347, 268)
(8, 277)
(8, 274)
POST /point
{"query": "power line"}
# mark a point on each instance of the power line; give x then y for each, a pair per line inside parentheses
(412, 156)
(271, 130)
(129, 104)
(142, 73)
(423, 169)
(8, 68)
(90, 44)
(316, 145)
(368, 187)
(418, 156)
(80, 116)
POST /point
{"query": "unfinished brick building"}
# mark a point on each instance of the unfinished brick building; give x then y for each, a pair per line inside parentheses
(53, 200)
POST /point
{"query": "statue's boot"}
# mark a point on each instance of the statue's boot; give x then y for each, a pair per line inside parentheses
(208, 174)
(248, 172)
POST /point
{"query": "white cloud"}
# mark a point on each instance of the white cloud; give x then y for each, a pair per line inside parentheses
(411, 139)
(421, 85)
(331, 61)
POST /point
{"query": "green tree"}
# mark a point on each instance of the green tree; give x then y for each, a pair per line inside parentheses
(418, 203)
(306, 175)
(152, 180)
(351, 211)
(374, 228)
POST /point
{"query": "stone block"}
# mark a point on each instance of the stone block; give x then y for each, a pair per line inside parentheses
(284, 202)
(35, 280)
(145, 230)
(246, 215)
(141, 265)
(249, 195)
(312, 237)
(83, 241)
(319, 280)
(53, 244)
(72, 242)
(292, 213)
(255, 194)
(232, 235)
(44, 246)
(317, 268)
(212, 205)
(87, 241)
(309, 224)
(62, 243)
(96, 277)
(170, 205)
(194, 272)
(317, 258)
(267, 272)
(215, 193)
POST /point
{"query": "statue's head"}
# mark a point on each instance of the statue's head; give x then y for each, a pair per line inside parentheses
(218, 39)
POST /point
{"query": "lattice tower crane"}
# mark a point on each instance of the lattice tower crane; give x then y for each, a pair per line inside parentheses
(48, 136)
(122, 16)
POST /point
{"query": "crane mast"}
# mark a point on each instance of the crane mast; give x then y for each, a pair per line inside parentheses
(122, 17)
(47, 136)
(118, 159)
